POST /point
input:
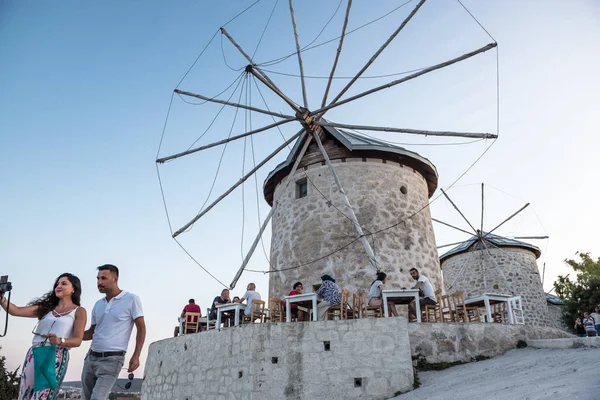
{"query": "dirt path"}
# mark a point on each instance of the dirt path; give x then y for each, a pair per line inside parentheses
(525, 374)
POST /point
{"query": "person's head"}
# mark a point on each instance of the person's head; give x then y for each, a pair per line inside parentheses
(192, 301)
(298, 287)
(108, 278)
(597, 309)
(578, 320)
(326, 277)
(68, 285)
(414, 273)
(381, 276)
(586, 314)
(251, 286)
(236, 299)
(65, 286)
(225, 294)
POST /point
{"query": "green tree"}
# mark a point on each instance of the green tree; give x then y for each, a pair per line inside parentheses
(9, 381)
(583, 293)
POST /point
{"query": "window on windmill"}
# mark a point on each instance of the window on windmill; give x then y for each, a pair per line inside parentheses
(301, 188)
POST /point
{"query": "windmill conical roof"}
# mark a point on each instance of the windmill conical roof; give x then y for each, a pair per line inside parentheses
(360, 145)
(495, 240)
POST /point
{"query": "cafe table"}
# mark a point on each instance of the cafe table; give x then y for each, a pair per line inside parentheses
(307, 300)
(400, 296)
(237, 307)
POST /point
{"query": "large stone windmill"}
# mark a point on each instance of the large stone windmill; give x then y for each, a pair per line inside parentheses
(342, 203)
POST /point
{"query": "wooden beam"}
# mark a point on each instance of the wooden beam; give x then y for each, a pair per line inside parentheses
(378, 52)
(424, 71)
(242, 180)
(220, 142)
(409, 131)
(337, 54)
(299, 53)
(456, 208)
(507, 219)
(227, 103)
(452, 226)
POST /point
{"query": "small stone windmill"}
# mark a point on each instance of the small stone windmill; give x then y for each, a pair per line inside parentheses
(489, 263)
(363, 182)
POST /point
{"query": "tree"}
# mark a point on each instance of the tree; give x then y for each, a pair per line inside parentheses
(9, 381)
(583, 293)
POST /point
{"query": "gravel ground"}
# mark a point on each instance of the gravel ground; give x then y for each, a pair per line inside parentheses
(522, 374)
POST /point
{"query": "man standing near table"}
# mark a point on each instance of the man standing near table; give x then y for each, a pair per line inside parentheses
(428, 293)
(113, 318)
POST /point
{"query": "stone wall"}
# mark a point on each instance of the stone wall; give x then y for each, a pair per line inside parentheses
(382, 193)
(448, 343)
(555, 318)
(367, 359)
(509, 271)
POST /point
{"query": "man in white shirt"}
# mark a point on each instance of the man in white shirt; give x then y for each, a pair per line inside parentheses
(428, 293)
(251, 294)
(113, 318)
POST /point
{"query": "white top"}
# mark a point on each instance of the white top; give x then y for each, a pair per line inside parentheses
(427, 287)
(62, 327)
(375, 291)
(596, 317)
(114, 321)
(249, 296)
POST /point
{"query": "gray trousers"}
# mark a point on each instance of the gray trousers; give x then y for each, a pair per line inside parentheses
(99, 375)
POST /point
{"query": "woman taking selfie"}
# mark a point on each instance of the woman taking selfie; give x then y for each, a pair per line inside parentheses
(61, 323)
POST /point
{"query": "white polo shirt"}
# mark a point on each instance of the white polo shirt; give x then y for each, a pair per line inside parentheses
(427, 287)
(114, 321)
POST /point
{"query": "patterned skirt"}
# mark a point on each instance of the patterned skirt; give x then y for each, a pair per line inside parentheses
(26, 387)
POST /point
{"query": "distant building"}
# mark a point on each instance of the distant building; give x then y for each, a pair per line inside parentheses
(495, 264)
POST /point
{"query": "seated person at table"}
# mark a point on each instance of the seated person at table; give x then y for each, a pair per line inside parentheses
(236, 299)
(428, 293)
(190, 307)
(298, 314)
(375, 298)
(330, 293)
(251, 294)
(222, 299)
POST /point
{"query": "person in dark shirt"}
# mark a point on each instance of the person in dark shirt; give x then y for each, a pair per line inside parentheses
(579, 328)
(222, 299)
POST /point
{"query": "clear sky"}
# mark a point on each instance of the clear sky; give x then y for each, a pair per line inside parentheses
(85, 89)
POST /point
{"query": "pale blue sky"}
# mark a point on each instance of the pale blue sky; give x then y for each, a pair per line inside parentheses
(85, 88)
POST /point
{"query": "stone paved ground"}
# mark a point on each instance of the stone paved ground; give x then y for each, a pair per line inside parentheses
(525, 374)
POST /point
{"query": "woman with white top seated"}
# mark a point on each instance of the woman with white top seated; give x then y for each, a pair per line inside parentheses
(61, 323)
(375, 299)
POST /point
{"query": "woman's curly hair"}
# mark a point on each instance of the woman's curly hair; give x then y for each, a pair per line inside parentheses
(49, 301)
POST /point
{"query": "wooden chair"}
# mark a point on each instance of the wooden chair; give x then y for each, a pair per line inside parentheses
(462, 312)
(276, 310)
(446, 312)
(208, 323)
(432, 312)
(356, 307)
(341, 311)
(257, 314)
(191, 323)
(368, 311)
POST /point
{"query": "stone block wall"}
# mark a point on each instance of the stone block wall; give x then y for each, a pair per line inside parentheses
(555, 318)
(508, 271)
(448, 343)
(366, 359)
(382, 193)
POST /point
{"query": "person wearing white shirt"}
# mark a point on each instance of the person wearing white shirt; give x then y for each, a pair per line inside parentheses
(428, 293)
(251, 294)
(113, 318)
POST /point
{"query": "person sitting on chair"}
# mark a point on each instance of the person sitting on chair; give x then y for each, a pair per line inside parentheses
(330, 293)
(251, 294)
(191, 306)
(428, 293)
(375, 298)
(298, 314)
(222, 299)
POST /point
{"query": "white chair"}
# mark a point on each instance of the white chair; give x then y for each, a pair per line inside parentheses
(516, 308)
(210, 323)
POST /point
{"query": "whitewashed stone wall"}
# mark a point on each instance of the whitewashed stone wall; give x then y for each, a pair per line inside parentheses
(555, 318)
(511, 268)
(309, 228)
(284, 361)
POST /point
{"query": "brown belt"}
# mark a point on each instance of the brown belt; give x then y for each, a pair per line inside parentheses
(107, 353)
